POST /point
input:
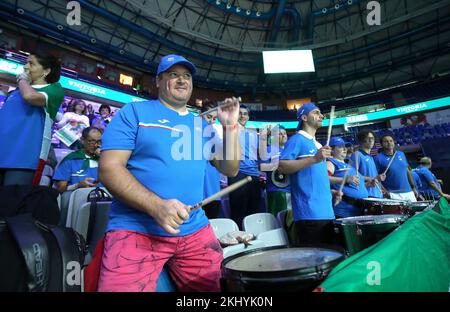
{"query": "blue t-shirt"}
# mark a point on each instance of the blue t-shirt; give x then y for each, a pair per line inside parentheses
(367, 167)
(310, 187)
(25, 130)
(397, 175)
(425, 177)
(76, 170)
(270, 187)
(250, 160)
(345, 209)
(212, 180)
(167, 158)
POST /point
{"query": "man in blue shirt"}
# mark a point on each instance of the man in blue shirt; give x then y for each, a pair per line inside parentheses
(246, 200)
(429, 186)
(399, 181)
(79, 169)
(153, 161)
(366, 165)
(303, 158)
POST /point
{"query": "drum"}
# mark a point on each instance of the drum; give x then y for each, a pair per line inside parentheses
(420, 206)
(379, 206)
(358, 233)
(275, 269)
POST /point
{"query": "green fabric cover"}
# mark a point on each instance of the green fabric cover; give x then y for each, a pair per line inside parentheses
(413, 258)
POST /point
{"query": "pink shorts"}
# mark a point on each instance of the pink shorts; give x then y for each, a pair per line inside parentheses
(132, 261)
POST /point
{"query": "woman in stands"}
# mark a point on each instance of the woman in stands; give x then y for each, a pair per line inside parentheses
(74, 116)
(26, 119)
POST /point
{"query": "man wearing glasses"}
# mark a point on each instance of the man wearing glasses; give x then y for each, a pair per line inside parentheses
(79, 169)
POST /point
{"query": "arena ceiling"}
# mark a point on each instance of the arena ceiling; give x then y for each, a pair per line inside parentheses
(224, 38)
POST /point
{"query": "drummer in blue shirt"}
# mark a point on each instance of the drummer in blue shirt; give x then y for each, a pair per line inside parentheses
(429, 185)
(303, 158)
(354, 187)
(399, 181)
(366, 164)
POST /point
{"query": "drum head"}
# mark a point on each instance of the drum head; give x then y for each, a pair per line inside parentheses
(377, 219)
(282, 259)
(383, 201)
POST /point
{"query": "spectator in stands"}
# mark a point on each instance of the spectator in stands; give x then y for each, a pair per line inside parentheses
(399, 181)
(277, 194)
(77, 116)
(26, 118)
(247, 199)
(366, 164)
(90, 113)
(151, 223)
(79, 169)
(354, 187)
(103, 119)
(429, 186)
(212, 176)
(414, 120)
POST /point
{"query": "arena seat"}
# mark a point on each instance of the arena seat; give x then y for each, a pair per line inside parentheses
(259, 222)
(276, 237)
(222, 226)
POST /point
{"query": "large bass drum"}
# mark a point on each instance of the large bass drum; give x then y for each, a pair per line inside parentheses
(275, 269)
(358, 233)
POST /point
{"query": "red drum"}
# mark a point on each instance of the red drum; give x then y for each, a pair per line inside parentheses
(380, 206)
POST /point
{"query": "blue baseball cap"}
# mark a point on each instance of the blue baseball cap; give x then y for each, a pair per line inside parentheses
(171, 60)
(338, 141)
(304, 110)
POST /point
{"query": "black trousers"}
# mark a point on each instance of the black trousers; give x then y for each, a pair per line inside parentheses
(245, 200)
(317, 233)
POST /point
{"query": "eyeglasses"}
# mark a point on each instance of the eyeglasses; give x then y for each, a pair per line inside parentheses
(175, 75)
(94, 142)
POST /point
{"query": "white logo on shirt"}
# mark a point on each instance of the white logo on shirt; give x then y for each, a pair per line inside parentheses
(163, 121)
(312, 151)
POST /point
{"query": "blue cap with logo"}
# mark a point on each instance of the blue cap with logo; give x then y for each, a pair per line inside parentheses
(171, 60)
(338, 141)
(304, 110)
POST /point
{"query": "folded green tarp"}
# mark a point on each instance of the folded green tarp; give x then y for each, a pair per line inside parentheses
(415, 257)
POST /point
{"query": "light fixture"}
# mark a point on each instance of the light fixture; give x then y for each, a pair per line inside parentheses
(248, 12)
(238, 9)
(258, 13)
(100, 70)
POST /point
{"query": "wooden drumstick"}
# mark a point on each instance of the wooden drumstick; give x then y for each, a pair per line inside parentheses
(390, 163)
(330, 125)
(377, 183)
(341, 187)
(223, 192)
(356, 161)
(221, 104)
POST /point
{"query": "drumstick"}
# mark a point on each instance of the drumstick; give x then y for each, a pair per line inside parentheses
(378, 186)
(221, 104)
(356, 161)
(330, 125)
(223, 192)
(341, 187)
(390, 162)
